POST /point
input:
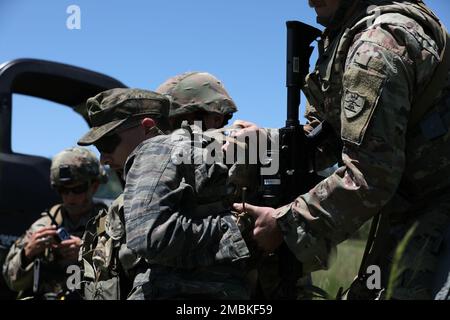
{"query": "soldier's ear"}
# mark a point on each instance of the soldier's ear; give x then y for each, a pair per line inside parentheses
(148, 124)
(220, 119)
(217, 120)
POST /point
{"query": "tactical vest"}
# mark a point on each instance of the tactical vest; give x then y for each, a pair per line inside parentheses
(48, 277)
(324, 90)
(51, 283)
(107, 263)
(324, 85)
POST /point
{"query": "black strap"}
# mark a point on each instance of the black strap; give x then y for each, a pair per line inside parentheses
(369, 244)
(53, 217)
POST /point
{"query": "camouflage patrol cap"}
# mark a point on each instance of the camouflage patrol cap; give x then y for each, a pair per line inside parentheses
(110, 109)
(197, 91)
(76, 164)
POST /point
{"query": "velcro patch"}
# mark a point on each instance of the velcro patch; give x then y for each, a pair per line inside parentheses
(361, 91)
(353, 103)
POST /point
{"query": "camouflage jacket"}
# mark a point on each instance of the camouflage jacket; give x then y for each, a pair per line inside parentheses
(19, 277)
(368, 75)
(107, 262)
(177, 217)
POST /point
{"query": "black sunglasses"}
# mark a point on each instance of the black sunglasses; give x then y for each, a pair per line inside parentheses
(75, 190)
(108, 144)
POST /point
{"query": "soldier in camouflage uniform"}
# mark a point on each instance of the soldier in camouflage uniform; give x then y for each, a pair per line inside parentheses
(175, 217)
(114, 279)
(198, 96)
(36, 264)
(381, 82)
(109, 266)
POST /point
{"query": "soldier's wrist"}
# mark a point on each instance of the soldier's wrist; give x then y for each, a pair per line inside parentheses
(281, 212)
(289, 219)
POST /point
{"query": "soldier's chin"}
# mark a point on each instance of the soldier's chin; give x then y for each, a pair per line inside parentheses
(317, 3)
(75, 210)
(324, 21)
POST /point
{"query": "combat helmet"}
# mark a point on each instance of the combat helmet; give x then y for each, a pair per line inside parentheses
(76, 164)
(197, 91)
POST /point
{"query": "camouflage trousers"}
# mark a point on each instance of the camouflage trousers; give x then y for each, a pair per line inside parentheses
(161, 283)
(421, 270)
(421, 263)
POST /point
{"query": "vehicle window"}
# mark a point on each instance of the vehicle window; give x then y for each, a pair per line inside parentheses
(112, 189)
(44, 128)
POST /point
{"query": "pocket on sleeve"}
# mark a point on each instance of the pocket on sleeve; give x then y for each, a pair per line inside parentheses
(361, 92)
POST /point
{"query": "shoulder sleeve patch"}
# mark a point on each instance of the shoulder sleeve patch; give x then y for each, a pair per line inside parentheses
(361, 91)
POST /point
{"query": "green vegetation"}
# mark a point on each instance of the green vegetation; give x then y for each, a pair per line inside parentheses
(343, 270)
(397, 267)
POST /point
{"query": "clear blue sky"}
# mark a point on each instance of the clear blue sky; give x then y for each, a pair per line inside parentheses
(143, 42)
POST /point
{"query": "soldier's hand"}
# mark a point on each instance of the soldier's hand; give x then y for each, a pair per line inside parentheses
(68, 250)
(241, 130)
(39, 241)
(266, 233)
(246, 127)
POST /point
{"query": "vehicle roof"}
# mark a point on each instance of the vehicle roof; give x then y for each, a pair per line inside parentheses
(58, 82)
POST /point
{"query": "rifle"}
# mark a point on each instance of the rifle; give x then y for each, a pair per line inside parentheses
(294, 176)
